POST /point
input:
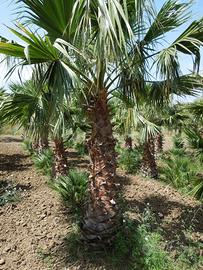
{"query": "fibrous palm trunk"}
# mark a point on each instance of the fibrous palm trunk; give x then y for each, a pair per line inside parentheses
(60, 161)
(128, 143)
(43, 144)
(148, 165)
(159, 143)
(100, 222)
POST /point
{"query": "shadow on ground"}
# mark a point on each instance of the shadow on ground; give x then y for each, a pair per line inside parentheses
(74, 160)
(172, 216)
(9, 139)
(15, 162)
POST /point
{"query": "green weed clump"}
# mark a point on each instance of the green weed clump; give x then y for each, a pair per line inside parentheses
(27, 146)
(81, 148)
(142, 247)
(72, 189)
(136, 247)
(178, 141)
(44, 161)
(8, 193)
(129, 160)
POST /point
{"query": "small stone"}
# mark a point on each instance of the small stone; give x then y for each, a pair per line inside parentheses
(43, 216)
(112, 201)
(160, 215)
(2, 261)
(7, 249)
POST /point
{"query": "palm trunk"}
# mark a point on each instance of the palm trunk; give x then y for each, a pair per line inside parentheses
(35, 145)
(43, 144)
(148, 166)
(100, 222)
(60, 161)
(158, 145)
(128, 143)
(43, 141)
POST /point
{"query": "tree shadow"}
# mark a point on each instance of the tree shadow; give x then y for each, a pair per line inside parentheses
(5, 184)
(75, 160)
(13, 162)
(74, 252)
(173, 217)
(9, 139)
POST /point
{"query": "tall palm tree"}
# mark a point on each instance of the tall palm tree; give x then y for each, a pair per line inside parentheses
(103, 45)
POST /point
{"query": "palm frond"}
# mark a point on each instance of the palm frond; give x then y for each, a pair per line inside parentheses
(52, 16)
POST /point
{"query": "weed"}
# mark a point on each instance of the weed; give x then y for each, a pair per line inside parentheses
(45, 256)
(136, 247)
(81, 148)
(8, 193)
(178, 142)
(27, 146)
(68, 143)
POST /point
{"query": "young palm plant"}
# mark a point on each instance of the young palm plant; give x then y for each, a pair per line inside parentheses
(100, 46)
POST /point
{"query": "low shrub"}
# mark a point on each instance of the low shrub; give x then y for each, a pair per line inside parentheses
(68, 143)
(181, 170)
(44, 161)
(72, 188)
(129, 161)
(27, 146)
(142, 247)
(8, 193)
(178, 141)
(81, 148)
(195, 141)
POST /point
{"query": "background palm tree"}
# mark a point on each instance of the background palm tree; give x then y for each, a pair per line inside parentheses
(37, 110)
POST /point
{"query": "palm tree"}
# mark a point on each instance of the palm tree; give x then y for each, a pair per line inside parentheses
(103, 45)
(37, 111)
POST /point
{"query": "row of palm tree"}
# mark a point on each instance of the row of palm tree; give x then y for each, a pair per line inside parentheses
(91, 50)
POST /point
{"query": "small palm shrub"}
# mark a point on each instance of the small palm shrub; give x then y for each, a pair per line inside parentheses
(81, 148)
(195, 139)
(178, 142)
(27, 146)
(44, 161)
(129, 161)
(182, 171)
(68, 143)
(72, 188)
(197, 190)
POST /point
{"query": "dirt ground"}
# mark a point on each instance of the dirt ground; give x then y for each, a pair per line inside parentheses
(32, 231)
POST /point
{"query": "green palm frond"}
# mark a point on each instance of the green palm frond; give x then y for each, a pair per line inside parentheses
(196, 108)
(188, 42)
(171, 15)
(52, 16)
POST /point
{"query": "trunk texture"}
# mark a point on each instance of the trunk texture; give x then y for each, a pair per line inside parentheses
(35, 145)
(101, 222)
(60, 161)
(43, 144)
(43, 140)
(159, 143)
(128, 143)
(149, 167)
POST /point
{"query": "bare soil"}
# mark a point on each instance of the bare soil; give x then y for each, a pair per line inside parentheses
(33, 230)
